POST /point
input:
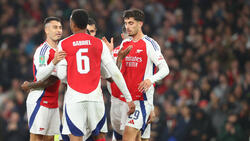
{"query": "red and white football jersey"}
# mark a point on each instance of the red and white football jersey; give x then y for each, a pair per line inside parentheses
(85, 54)
(113, 89)
(139, 65)
(47, 97)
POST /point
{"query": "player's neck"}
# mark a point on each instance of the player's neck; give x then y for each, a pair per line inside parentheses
(80, 31)
(138, 36)
(52, 43)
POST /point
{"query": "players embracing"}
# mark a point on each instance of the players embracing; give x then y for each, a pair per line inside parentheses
(83, 106)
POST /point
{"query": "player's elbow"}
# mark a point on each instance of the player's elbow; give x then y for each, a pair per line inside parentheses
(40, 77)
(61, 76)
(165, 69)
(116, 76)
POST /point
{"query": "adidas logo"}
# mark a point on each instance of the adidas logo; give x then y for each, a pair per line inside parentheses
(131, 121)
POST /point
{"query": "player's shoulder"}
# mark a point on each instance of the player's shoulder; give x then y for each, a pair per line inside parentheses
(126, 42)
(150, 42)
(42, 49)
(129, 39)
(79, 37)
(69, 38)
(117, 48)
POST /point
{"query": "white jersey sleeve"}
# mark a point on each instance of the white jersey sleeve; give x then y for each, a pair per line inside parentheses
(41, 57)
(154, 53)
(104, 72)
(61, 67)
(115, 72)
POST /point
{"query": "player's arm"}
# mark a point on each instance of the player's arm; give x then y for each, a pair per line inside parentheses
(110, 44)
(114, 72)
(26, 86)
(116, 76)
(151, 117)
(61, 67)
(158, 59)
(105, 74)
(61, 70)
(121, 55)
(44, 70)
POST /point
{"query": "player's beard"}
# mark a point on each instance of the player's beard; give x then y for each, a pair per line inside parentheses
(56, 38)
(133, 34)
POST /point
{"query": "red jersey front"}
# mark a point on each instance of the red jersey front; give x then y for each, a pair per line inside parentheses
(47, 97)
(139, 65)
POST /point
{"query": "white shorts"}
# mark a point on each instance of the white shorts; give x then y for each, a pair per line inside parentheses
(138, 120)
(84, 118)
(43, 120)
(118, 114)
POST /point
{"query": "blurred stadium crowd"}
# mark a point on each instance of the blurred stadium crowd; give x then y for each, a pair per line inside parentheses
(206, 43)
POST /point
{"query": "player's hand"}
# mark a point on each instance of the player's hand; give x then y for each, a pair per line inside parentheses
(59, 55)
(123, 53)
(144, 85)
(25, 86)
(151, 117)
(110, 80)
(109, 44)
(131, 107)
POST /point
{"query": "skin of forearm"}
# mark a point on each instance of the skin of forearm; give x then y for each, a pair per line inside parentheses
(43, 84)
(109, 80)
(118, 62)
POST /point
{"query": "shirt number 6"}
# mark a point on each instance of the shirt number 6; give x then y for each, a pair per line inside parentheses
(80, 58)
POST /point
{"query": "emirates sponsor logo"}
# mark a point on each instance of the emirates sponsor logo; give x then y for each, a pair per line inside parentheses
(132, 64)
(132, 61)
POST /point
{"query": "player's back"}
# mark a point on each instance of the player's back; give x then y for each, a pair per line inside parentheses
(83, 61)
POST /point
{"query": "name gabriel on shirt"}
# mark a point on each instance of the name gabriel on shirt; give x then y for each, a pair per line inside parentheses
(80, 43)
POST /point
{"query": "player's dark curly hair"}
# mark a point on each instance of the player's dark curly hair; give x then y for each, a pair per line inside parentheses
(91, 21)
(80, 18)
(137, 14)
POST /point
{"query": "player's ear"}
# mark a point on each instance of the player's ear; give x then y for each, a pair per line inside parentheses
(46, 30)
(140, 23)
(95, 29)
(74, 25)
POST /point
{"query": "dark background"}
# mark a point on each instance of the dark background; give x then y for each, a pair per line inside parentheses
(206, 44)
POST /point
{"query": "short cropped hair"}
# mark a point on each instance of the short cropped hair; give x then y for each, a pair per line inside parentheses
(80, 18)
(91, 21)
(124, 29)
(49, 19)
(137, 14)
